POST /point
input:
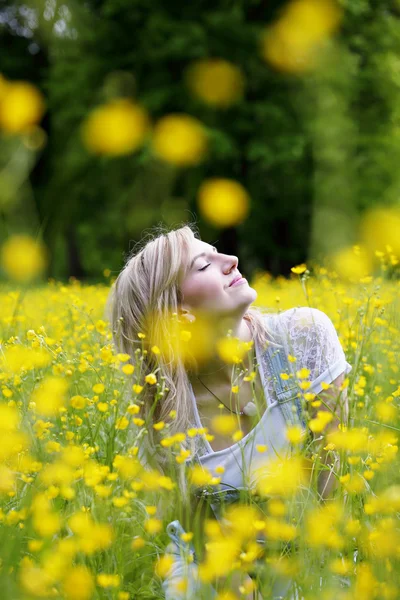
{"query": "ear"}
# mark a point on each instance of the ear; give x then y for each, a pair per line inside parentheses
(186, 315)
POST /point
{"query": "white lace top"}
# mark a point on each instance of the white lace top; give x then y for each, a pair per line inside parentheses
(310, 336)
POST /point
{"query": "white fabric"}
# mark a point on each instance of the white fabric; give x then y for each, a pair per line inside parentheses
(310, 336)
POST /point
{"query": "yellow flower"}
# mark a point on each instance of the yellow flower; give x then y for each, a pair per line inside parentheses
(50, 396)
(294, 434)
(321, 421)
(351, 265)
(159, 426)
(224, 424)
(78, 402)
(153, 526)
(284, 376)
(199, 476)
(180, 139)
(137, 388)
(137, 543)
(303, 373)
(128, 369)
(119, 127)
(237, 436)
(164, 565)
(300, 269)
(133, 409)
(102, 406)
(120, 501)
(232, 350)
(78, 583)
(281, 477)
(104, 580)
(23, 258)
(215, 81)
(235, 389)
(155, 350)
(223, 202)
(21, 106)
(138, 422)
(98, 388)
(122, 423)
(151, 379)
(292, 42)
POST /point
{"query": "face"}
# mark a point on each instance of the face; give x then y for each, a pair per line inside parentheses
(209, 285)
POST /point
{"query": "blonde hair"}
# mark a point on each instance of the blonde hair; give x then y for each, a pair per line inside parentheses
(142, 299)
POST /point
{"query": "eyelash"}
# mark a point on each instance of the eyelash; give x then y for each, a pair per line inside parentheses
(204, 268)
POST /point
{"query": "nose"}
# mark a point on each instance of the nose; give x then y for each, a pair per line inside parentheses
(231, 263)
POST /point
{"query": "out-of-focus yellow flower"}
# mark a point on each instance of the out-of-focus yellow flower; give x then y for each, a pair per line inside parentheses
(199, 476)
(23, 258)
(7, 480)
(223, 202)
(386, 411)
(98, 388)
(351, 263)
(164, 565)
(294, 434)
(232, 350)
(78, 402)
(50, 396)
(106, 580)
(122, 423)
(21, 106)
(19, 358)
(216, 82)
(224, 424)
(322, 527)
(195, 346)
(153, 526)
(321, 421)
(180, 139)
(119, 127)
(380, 228)
(78, 584)
(220, 558)
(282, 477)
(292, 42)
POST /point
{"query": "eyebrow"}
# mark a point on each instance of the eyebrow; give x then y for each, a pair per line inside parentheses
(199, 255)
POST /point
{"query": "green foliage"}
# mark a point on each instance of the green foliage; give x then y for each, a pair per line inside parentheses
(293, 151)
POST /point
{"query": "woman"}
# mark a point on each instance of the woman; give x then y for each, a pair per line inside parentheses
(178, 276)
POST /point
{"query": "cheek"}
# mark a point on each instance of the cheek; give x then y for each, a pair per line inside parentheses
(198, 292)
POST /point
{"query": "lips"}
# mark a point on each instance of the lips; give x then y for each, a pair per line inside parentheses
(235, 279)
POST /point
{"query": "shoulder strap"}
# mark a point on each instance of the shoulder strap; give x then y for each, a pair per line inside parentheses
(287, 391)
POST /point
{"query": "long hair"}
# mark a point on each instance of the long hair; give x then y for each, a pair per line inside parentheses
(142, 299)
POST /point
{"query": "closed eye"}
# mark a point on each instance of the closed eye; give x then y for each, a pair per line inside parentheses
(204, 268)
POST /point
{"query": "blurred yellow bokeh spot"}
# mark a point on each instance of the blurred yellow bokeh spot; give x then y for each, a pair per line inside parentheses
(291, 43)
(180, 140)
(23, 258)
(21, 106)
(380, 227)
(184, 342)
(223, 202)
(116, 128)
(352, 263)
(216, 82)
